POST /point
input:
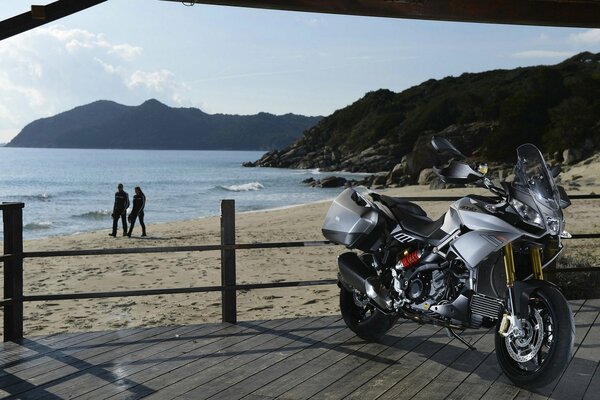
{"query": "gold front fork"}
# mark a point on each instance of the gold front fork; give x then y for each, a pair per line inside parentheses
(509, 264)
(536, 263)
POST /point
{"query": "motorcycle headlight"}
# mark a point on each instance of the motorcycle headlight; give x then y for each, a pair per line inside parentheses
(553, 225)
(528, 214)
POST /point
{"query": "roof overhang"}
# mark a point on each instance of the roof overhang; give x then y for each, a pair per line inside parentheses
(40, 15)
(567, 13)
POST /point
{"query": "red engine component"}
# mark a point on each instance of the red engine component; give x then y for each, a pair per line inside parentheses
(410, 259)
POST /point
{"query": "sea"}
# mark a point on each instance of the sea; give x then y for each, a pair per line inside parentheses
(70, 191)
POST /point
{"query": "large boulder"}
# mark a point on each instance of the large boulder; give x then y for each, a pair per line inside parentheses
(426, 176)
(332, 182)
(571, 156)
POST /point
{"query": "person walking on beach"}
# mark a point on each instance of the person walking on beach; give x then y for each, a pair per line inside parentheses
(139, 201)
(120, 210)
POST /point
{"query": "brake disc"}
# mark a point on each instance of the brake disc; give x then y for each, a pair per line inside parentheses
(524, 348)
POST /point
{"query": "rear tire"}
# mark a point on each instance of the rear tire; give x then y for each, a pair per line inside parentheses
(363, 318)
(550, 346)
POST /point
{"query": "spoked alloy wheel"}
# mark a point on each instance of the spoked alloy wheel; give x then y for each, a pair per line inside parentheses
(541, 354)
(363, 318)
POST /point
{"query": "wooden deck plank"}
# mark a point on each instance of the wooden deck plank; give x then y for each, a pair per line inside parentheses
(580, 371)
(272, 374)
(64, 363)
(401, 353)
(239, 385)
(593, 390)
(32, 349)
(126, 366)
(289, 359)
(456, 372)
(163, 378)
(219, 376)
(340, 368)
(433, 366)
(282, 383)
(207, 345)
(228, 375)
(51, 358)
(119, 367)
(392, 347)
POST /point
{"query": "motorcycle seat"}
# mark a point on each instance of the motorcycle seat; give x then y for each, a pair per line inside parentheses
(423, 226)
(404, 205)
(414, 219)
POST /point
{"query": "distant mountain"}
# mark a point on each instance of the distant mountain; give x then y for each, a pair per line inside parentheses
(485, 114)
(154, 125)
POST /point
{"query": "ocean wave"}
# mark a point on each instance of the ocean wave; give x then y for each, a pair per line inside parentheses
(30, 197)
(246, 187)
(36, 226)
(314, 171)
(100, 214)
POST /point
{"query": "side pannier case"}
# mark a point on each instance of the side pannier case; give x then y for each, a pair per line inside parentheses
(351, 224)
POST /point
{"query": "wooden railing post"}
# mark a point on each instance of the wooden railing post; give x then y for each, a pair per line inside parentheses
(12, 216)
(228, 294)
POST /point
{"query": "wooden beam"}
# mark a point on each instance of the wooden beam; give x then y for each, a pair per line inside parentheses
(40, 15)
(568, 13)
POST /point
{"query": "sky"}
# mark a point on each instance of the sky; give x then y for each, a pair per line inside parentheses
(244, 61)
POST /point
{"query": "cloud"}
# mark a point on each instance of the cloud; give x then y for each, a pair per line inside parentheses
(162, 81)
(55, 68)
(543, 54)
(156, 80)
(312, 21)
(108, 68)
(81, 39)
(32, 96)
(588, 37)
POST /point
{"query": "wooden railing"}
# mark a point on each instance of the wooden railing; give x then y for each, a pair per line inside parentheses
(12, 215)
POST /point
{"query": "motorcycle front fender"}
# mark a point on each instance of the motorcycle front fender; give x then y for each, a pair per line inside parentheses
(521, 291)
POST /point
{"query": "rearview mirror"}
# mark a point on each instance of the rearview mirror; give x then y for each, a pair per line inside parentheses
(555, 170)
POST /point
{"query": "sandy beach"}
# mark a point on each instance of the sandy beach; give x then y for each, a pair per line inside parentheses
(169, 270)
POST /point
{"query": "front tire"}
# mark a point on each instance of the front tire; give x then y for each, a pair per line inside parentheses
(363, 318)
(543, 353)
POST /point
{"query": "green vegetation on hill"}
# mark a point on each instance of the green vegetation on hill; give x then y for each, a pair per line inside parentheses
(153, 125)
(555, 107)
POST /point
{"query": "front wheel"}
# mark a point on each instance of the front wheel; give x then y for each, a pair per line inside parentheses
(363, 318)
(542, 352)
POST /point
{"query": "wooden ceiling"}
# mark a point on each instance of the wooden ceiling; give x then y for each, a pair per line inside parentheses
(567, 13)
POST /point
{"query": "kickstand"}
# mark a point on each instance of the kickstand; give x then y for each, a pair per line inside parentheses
(451, 334)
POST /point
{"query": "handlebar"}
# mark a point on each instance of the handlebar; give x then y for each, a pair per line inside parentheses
(493, 188)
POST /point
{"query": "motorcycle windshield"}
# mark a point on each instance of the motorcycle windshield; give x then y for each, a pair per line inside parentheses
(532, 172)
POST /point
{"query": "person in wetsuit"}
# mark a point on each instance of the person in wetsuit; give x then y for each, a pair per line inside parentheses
(139, 201)
(120, 210)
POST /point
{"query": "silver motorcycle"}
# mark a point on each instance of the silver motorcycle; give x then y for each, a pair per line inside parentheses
(479, 265)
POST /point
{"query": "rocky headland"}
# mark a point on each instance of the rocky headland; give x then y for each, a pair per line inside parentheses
(486, 115)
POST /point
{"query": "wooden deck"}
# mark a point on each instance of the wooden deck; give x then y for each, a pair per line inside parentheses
(298, 358)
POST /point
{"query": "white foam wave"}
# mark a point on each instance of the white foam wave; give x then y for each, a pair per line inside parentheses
(246, 187)
(100, 214)
(34, 226)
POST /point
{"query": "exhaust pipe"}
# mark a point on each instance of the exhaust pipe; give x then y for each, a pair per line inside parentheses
(354, 273)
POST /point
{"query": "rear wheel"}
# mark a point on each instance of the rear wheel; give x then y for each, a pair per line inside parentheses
(542, 353)
(363, 318)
